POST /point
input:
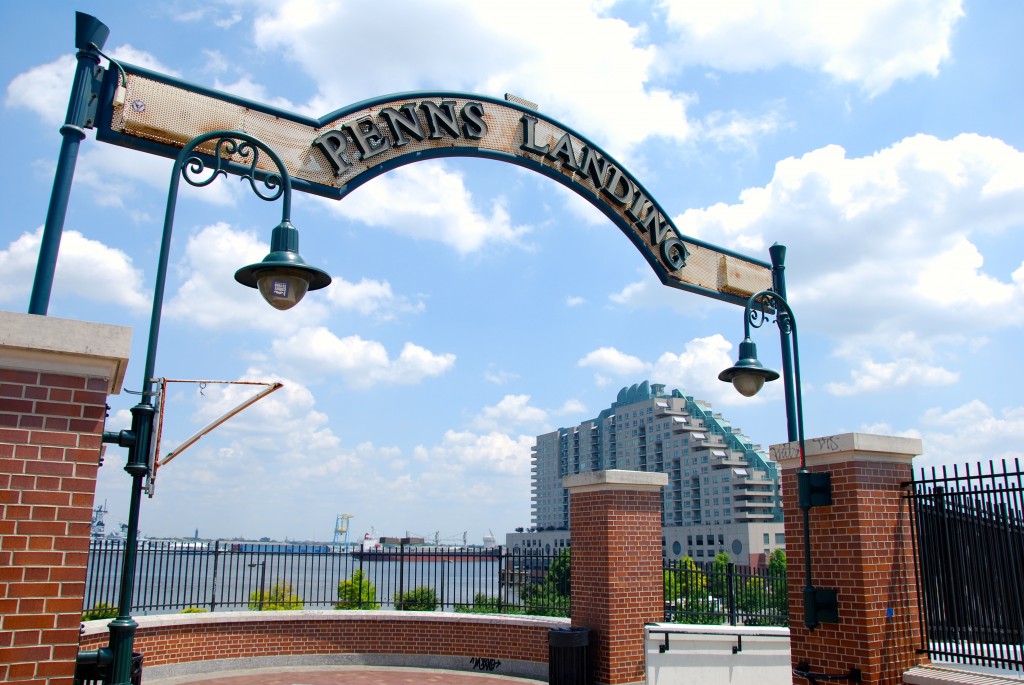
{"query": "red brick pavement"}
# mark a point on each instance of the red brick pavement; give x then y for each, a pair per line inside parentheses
(340, 675)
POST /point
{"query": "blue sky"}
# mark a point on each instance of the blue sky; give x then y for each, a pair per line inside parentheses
(476, 304)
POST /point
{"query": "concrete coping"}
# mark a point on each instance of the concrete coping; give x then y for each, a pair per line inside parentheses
(30, 342)
(97, 627)
(846, 447)
(741, 631)
(615, 479)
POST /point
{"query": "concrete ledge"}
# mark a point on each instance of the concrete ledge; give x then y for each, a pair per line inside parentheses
(176, 645)
(845, 447)
(940, 675)
(615, 479)
(47, 344)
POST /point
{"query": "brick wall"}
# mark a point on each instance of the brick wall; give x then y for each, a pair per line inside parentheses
(184, 639)
(52, 408)
(861, 546)
(616, 566)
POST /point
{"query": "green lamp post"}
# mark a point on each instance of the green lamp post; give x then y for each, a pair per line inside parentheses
(283, 278)
(748, 376)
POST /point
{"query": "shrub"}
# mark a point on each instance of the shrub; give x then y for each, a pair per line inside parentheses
(194, 610)
(422, 598)
(280, 598)
(356, 593)
(99, 611)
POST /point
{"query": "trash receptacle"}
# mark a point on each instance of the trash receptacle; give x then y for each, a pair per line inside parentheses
(569, 656)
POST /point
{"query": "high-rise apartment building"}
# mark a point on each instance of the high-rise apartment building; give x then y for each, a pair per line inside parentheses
(722, 494)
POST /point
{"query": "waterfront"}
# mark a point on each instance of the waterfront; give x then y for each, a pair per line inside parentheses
(219, 576)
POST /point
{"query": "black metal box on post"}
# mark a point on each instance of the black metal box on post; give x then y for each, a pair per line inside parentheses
(569, 656)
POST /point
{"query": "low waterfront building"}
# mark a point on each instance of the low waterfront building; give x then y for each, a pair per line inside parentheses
(723, 492)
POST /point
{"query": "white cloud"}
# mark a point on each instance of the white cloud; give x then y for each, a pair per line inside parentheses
(362, 363)
(873, 376)
(696, 369)
(435, 205)
(211, 298)
(513, 411)
(45, 89)
(973, 432)
(883, 245)
(371, 298)
(494, 48)
(85, 268)
(611, 360)
(471, 453)
(872, 44)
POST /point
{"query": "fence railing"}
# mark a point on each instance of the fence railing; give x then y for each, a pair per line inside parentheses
(715, 594)
(174, 576)
(969, 538)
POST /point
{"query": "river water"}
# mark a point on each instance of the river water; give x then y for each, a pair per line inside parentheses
(172, 576)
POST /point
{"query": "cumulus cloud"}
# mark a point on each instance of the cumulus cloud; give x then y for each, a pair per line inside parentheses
(871, 44)
(209, 296)
(372, 298)
(361, 363)
(85, 267)
(971, 433)
(696, 369)
(494, 48)
(436, 205)
(513, 411)
(610, 360)
(45, 89)
(888, 244)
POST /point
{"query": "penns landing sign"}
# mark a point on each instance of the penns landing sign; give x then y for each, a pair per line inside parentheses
(335, 154)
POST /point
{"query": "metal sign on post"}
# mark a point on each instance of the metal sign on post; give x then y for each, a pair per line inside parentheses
(335, 154)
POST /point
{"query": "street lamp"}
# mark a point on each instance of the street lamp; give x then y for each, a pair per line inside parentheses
(283, 279)
(748, 376)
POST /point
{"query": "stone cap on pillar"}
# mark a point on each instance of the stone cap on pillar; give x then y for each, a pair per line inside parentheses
(615, 479)
(30, 342)
(837, 449)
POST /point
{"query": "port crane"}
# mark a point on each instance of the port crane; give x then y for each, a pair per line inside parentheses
(341, 530)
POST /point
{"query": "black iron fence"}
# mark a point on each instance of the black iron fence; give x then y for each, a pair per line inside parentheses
(969, 537)
(174, 576)
(716, 594)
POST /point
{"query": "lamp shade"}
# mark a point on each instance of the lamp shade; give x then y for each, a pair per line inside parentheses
(748, 376)
(283, 277)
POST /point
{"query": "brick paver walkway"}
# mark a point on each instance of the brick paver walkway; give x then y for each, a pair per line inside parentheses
(339, 675)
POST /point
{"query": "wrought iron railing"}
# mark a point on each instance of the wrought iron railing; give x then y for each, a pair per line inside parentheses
(175, 576)
(716, 594)
(969, 544)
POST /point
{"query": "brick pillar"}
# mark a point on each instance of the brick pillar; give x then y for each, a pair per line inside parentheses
(617, 586)
(860, 546)
(55, 376)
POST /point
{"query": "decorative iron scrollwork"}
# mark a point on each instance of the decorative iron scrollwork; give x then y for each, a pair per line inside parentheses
(201, 170)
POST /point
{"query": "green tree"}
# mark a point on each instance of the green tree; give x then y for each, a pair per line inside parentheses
(280, 598)
(719, 580)
(778, 587)
(551, 597)
(422, 598)
(559, 574)
(357, 593)
(686, 591)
